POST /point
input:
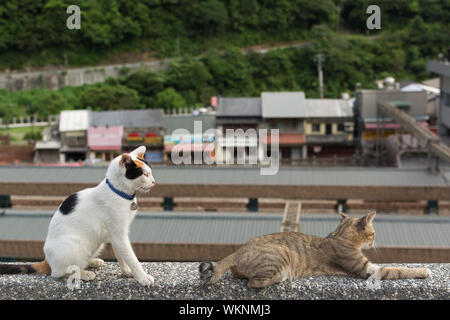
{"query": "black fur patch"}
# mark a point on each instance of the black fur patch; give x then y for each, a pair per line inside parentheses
(16, 269)
(133, 171)
(69, 204)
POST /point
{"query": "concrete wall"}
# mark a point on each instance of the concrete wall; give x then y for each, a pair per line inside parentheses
(325, 192)
(56, 79)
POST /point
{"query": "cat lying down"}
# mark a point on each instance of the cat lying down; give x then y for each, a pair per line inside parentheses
(88, 219)
(276, 257)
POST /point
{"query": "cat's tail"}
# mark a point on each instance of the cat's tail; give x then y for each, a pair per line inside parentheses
(211, 272)
(39, 268)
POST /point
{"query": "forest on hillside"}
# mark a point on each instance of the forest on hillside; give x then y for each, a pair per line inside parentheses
(412, 32)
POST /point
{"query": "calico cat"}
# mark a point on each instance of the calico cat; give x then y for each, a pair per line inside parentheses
(88, 219)
(280, 256)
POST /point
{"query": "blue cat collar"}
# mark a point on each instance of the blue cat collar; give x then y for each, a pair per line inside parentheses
(120, 193)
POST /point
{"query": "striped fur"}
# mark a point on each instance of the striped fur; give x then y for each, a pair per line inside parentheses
(289, 255)
(39, 268)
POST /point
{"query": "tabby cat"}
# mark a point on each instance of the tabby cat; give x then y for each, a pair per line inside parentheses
(279, 256)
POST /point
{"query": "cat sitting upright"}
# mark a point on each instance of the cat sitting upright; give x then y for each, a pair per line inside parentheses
(88, 219)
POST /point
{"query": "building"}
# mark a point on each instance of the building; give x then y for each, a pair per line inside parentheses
(443, 119)
(286, 111)
(190, 135)
(368, 123)
(432, 98)
(242, 113)
(133, 127)
(73, 126)
(104, 143)
(46, 151)
(329, 128)
(307, 127)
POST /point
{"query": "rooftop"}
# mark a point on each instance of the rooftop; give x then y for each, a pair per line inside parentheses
(47, 145)
(173, 122)
(239, 107)
(439, 67)
(237, 228)
(74, 120)
(175, 280)
(283, 105)
(302, 176)
(148, 118)
(328, 108)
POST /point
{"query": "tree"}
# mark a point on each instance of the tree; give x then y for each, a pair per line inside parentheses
(110, 98)
(208, 17)
(169, 99)
(188, 73)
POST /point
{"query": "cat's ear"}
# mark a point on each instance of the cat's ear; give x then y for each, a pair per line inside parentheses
(342, 216)
(370, 216)
(125, 159)
(140, 152)
(364, 221)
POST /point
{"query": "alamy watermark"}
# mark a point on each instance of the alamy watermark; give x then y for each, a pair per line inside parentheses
(374, 20)
(74, 20)
(74, 278)
(250, 147)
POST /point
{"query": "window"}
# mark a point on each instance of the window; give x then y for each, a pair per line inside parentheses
(404, 107)
(316, 127)
(341, 127)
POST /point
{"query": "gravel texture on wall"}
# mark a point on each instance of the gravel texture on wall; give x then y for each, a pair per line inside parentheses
(175, 280)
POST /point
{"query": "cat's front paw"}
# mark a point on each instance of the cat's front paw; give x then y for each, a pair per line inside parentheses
(96, 263)
(425, 272)
(87, 275)
(146, 280)
(206, 270)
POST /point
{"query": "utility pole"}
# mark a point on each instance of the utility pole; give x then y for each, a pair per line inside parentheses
(318, 58)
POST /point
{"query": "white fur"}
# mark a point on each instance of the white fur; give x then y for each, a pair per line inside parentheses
(374, 272)
(100, 216)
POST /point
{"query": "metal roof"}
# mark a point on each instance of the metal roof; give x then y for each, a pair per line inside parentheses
(439, 67)
(173, 122)
(351, 176)
(239, 107)
(283, 105)
(47, 145)
(185, 227)
(74, 120)
(328, 108)
(148, 118)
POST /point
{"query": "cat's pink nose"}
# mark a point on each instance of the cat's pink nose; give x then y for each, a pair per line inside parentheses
(153, 184)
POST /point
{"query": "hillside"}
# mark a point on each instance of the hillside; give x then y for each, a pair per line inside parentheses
(213, 31)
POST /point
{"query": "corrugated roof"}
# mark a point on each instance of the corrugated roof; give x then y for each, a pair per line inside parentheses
(189, 227)
(283, 105)
(74, 120)
(351, 176)
(173, 122)
(148, 118)
(328, 108)
(239, 107)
